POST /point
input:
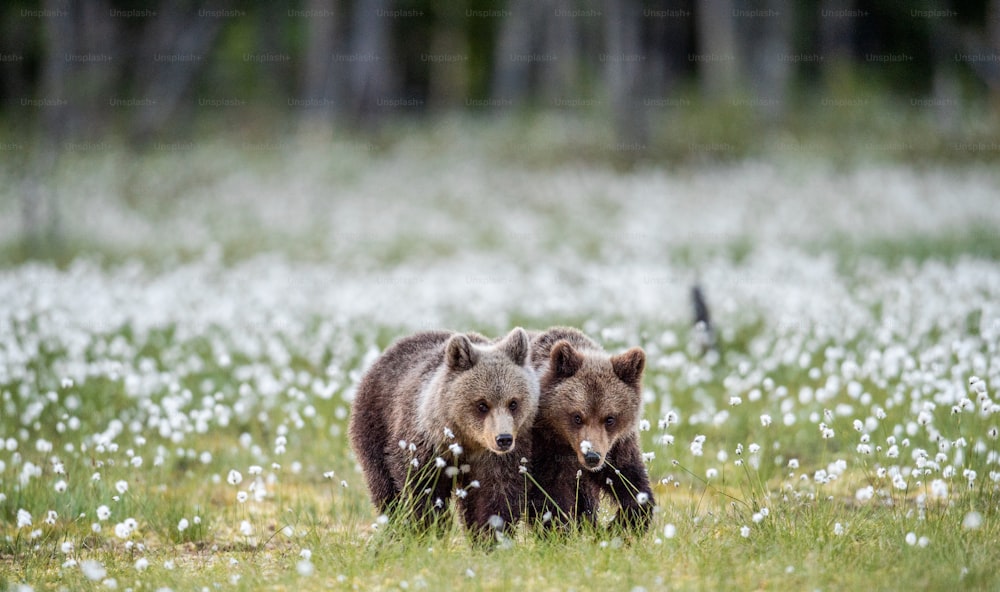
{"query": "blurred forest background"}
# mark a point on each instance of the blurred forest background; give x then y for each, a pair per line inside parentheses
(657, 82)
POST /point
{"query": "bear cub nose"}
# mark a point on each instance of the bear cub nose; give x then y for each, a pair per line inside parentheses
(592, 458)
(505, 441)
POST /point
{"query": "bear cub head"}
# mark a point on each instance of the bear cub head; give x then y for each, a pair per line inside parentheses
(592, 400)
(487, 394)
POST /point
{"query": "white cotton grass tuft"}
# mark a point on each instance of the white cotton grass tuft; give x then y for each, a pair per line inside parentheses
(305, 568)
(23, 518)
(93, 570)
(972, 521)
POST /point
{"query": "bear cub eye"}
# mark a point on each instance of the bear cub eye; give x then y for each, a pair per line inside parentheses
(610, 421)
(483, 407)
(512, 406)
(577, 419)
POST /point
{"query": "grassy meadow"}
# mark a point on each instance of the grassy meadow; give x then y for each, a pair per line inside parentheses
(176, 378)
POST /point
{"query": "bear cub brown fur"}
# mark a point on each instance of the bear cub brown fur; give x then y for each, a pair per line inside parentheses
(441, 410)
(585, 439)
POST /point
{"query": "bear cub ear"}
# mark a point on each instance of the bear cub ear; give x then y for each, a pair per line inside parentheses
(564, 359)
(517, 345)
(460, 353)
(629, 366)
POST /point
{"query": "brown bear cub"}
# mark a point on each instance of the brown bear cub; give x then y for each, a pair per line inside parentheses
(443, 412)
(585, 440)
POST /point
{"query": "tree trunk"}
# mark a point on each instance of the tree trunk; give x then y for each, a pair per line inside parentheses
(836, 37)
(179, 43)
(623, 67)
(717, 53)
(767, 39)
(371, 81)
(558, 76)
(515, 46)
(321, 27)
(448, 66)
(41, 227)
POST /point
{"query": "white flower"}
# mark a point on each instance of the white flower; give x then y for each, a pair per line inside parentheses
(641, 498)
(23, 518)
(242, 496)
(121, 486)
(697, 445)
(234, 477)
(745, 531)
(765, 420)
(122, 530)
(245, 528)
(93, 570)
(183, 525)
(141, 564)
(60, 486)
(103, 513)
(669, 531)
(838, 529)
(911, 538)
(305, 568)
(448, 433)
(585, 446)
(255, 470)
(972, 521)
(939, 489)
(864, 494)
(734, 401)
(644, 425)
(439, 462)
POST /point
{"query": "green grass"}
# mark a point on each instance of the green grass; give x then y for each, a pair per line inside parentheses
(264, 384)
(794, 546)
